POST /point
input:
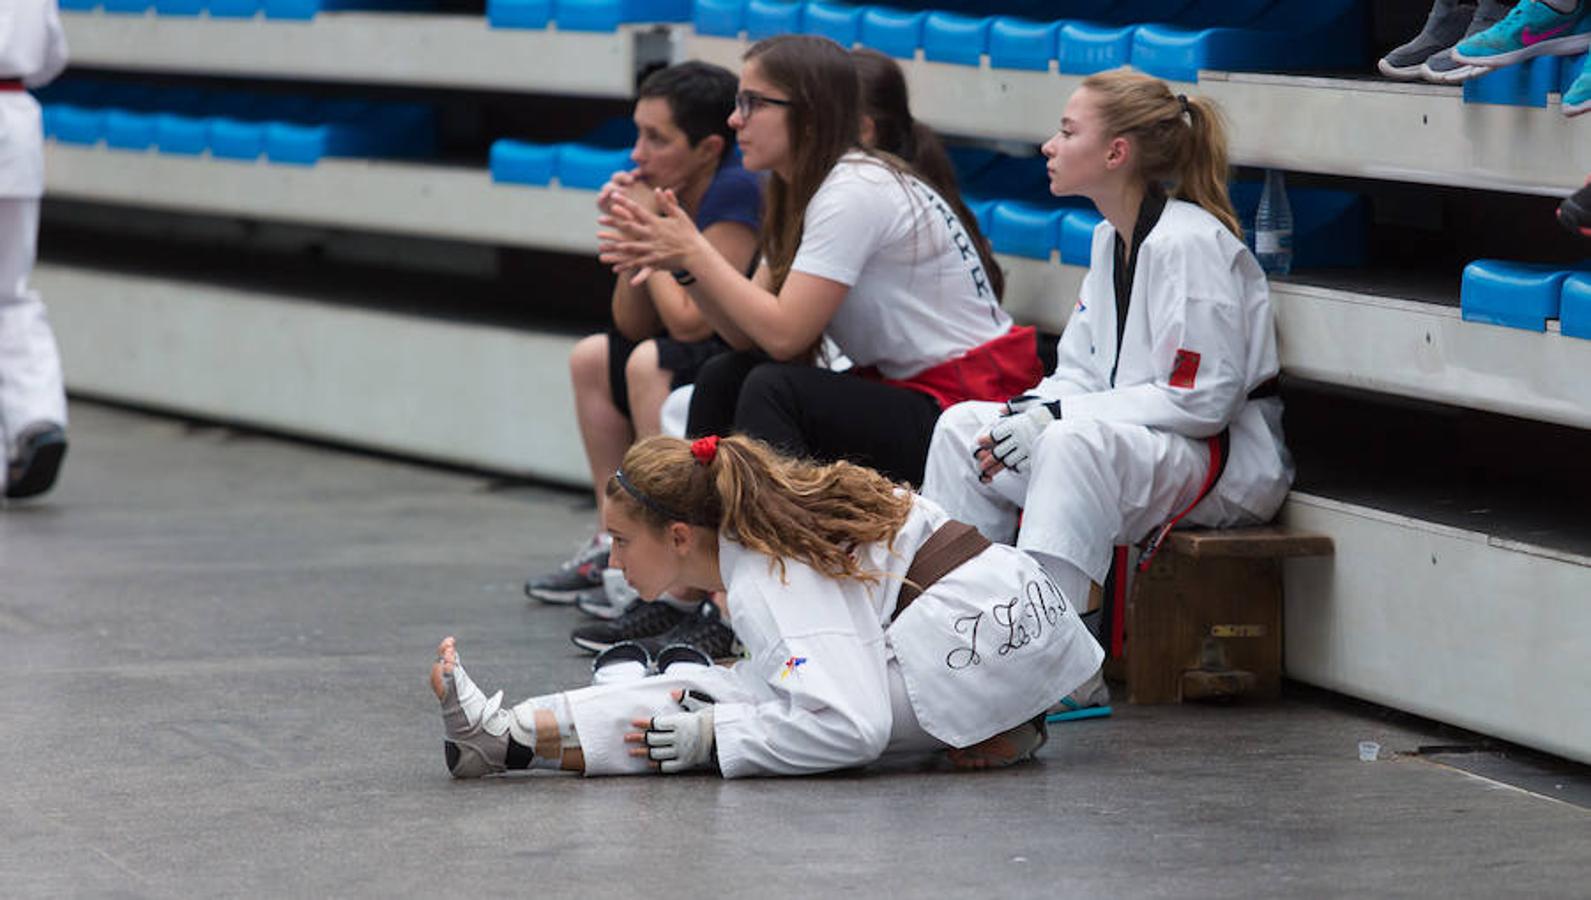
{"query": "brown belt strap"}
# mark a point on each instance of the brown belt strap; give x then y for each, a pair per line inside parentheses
(952, 544)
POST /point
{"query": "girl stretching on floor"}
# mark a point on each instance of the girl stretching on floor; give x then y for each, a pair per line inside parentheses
(872, 624)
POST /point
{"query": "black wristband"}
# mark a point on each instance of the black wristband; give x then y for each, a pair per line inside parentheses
(683, 277)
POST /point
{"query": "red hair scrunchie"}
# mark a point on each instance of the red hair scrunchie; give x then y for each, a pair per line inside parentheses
(705, 449)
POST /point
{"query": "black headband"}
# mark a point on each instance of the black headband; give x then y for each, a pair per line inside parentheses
(646, 500)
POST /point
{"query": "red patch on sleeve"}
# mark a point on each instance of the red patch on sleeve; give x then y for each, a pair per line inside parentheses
(1186, 369)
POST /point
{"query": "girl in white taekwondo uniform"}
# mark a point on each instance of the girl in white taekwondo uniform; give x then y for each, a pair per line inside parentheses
(842, 664)
(855, 246)
(32, 399)
(1163, 402)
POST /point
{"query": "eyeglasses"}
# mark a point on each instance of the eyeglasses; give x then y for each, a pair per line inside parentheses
(748, 102)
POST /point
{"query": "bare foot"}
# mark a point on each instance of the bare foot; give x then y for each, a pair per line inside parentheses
(1004, 749)
(446, 658)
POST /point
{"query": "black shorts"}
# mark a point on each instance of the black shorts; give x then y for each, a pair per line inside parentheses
(681, 358)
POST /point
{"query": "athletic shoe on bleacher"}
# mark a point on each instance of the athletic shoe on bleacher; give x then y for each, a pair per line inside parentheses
(643, 620)
(609, 601)
(1442, 68)
(1444, 27)
(1577, 99)
(1574, 213)
(1532, 29)
(704, 630)
(582, 573)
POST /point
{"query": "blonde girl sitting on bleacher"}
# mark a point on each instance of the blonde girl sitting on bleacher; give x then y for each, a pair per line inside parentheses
(1163, 402)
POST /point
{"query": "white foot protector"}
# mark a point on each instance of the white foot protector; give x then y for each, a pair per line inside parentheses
(476, 727)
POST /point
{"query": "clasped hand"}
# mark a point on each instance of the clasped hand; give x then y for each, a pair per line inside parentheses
(639, 240)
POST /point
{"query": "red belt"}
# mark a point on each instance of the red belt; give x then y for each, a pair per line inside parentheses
(994, 370)
(14, 84)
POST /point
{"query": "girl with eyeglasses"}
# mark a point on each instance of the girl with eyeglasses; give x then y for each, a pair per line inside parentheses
(855, 246)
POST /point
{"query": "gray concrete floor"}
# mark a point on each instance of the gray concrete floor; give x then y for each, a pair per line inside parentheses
(217, 645)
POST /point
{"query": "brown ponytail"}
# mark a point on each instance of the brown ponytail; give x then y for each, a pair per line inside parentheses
(786, 508)
(1180, 141)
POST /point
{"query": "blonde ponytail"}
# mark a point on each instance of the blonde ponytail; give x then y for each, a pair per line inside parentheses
(1180, 141)
(783, 507)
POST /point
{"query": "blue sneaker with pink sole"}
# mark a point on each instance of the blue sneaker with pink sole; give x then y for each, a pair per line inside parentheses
(1533, 29)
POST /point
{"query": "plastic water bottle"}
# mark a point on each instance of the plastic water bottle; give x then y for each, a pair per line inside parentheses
(1273, 227)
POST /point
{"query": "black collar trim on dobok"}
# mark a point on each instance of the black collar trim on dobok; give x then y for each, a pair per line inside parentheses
(1126, 264)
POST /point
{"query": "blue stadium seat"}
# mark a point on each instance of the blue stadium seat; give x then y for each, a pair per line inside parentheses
(1023, 44)
(1569, 68)
(841, 24)
(1088, 47)
(518, 13)
(983, 211)
(589, 168)
(1327, 34)
(1077, 236)
(1025, 229)
(233, 9)
(893, 32)
(180, 7)
(766, 18)
(608, 15)
(352, 128)
(133, 126)
(79, 5)
(521, 162)
(954, 38)
(308, 9)
(1525, 84)
(242, 137)
(128, 7)
(719, 18)
(1518, 295)
(1574, 315)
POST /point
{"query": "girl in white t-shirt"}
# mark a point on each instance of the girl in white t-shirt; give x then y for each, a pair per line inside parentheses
(855, 246)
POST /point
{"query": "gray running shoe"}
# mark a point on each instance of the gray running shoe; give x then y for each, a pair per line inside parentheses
(1444, 27)
(582, 573)
(1442, 68)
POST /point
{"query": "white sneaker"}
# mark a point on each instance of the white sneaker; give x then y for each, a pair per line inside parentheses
(612, 600)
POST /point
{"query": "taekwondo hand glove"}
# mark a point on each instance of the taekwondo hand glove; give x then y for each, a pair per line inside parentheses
(1015, 436)
(682, 741)
(1021, 404)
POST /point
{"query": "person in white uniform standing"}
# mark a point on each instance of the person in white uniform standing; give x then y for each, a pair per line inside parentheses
(872, 624)
(1163, 403)
(32, 397)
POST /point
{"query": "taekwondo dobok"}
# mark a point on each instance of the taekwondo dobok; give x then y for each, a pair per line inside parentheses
(832, 677)
(1162, 403)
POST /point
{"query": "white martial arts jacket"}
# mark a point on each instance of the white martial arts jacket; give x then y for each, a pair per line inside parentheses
(989, 646)
(33, 50)
(1200, 336)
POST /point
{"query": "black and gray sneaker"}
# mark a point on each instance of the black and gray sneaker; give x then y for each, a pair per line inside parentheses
(1444, 27)
(1574, 213)
(643, 620)
(1442, 68)
(704, 630)
(40, 449)
(582, 573)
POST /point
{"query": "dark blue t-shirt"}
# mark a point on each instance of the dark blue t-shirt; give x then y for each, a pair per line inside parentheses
(735, 195)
